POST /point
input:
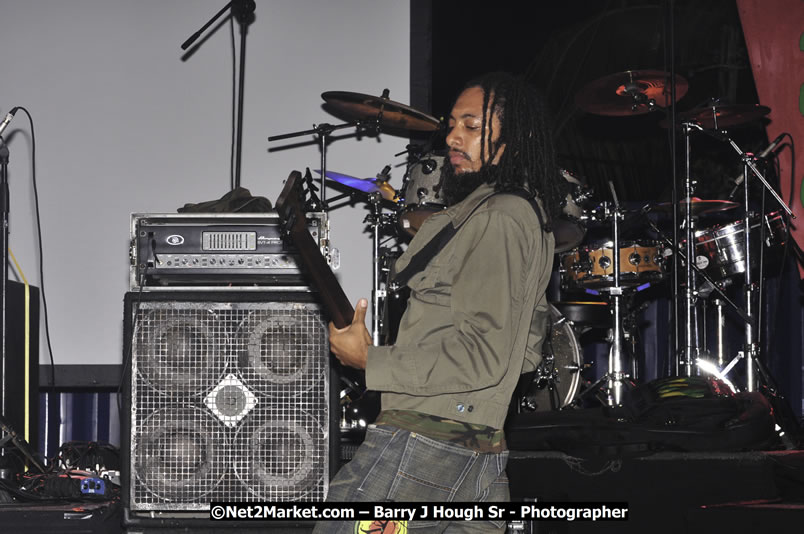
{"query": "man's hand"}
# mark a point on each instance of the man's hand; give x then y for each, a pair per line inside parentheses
(350, 345)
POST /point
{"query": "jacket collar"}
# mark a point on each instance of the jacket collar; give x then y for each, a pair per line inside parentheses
(463, 209)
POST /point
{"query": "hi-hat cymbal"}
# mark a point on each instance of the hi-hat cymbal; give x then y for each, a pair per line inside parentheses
(632, 92)
(716, 117)
(364, 185)
(698, 206)
(387, 112)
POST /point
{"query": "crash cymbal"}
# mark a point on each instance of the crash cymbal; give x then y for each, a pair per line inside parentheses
(699, 206)
(716, 117)
(364, 185)
(387, 112)
(632, 92)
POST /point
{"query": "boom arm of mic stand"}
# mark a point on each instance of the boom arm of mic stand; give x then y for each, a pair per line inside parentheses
(725, 138)
(761, 178)
(197, 34)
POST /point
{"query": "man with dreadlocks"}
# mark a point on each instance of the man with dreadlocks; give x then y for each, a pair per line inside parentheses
(475, 317)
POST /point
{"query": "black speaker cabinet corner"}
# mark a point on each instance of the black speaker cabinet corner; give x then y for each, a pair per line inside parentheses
(20, 402)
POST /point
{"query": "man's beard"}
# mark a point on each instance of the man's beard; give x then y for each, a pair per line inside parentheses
(456, 187)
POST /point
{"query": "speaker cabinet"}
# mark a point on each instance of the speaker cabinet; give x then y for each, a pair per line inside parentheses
(19, 373)
(228, 398)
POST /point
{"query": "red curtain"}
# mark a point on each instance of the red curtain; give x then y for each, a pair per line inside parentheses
(774, 35)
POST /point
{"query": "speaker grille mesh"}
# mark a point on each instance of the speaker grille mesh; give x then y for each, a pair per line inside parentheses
(229, 402)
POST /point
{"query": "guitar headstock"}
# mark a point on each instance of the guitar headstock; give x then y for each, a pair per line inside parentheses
(290, 203)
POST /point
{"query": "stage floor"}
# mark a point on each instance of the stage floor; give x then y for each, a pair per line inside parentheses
(732, 492)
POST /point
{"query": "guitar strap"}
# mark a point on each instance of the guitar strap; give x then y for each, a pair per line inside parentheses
(420, 260)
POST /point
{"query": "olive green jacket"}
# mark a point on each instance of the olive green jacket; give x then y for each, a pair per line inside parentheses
(474, 314)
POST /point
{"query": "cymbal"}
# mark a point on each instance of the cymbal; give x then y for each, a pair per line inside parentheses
(364, 185)
(389, 113)
(699, 206)
(632, 92)
(724, 116)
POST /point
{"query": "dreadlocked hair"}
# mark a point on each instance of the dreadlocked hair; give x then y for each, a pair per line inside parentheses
(529, 157)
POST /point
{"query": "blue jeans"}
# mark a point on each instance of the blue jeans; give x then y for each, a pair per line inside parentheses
(398, 465)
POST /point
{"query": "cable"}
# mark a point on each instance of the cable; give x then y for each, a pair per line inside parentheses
(234, 105)
(129, 347)
(41, 253)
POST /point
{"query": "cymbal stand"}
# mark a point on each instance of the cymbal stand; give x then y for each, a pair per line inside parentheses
(377, 219)
(719, 331)
(614, 394)
(691, 349)
(323, 131)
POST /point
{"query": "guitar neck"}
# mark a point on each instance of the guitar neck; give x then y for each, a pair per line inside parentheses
(288, 205)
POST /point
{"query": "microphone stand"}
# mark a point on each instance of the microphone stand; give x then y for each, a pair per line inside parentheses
(751, 348)
(691, 348)
(5, 201)
(243, 12)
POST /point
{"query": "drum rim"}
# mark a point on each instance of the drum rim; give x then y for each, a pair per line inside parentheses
(556, 317)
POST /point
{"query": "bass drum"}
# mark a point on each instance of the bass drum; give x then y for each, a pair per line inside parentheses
(557, 379)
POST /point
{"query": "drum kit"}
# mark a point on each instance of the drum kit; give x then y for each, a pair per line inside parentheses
(613, 269)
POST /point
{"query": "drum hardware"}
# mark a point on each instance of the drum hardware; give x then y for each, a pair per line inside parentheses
(421, 197)
(323, 131)
(557, 378)
(616, 379)
(750, 350)
(632, 92)
(374, 114)
(569, 228)
(377, 220)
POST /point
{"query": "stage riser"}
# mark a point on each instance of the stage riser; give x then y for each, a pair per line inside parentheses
(666, 492)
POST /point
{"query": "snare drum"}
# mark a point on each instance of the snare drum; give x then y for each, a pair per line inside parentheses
(720, 250)
(421, 199)
(593, 268)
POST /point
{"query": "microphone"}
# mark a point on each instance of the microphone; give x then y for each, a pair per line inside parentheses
(740, 177)
(8, 118)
